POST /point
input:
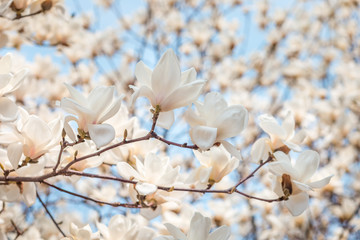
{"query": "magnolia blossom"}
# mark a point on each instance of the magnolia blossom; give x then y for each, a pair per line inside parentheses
(199, 230)
(293, 181)
(91, 112)
(219, 161)
(83, 233)
(154, 171)
(9, 82)
(125, 228)
(281, 137)
(25, 191)
(215, 121)
(35, 137)
(166, 86)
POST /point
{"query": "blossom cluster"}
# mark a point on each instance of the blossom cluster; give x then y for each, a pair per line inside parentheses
(191, 147)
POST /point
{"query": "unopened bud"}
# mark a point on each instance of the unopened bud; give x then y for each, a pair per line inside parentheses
(286, 185)
(46, 5)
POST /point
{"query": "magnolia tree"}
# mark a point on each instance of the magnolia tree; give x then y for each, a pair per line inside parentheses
(179, 119)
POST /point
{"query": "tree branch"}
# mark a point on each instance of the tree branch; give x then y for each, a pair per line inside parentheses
(50, 215)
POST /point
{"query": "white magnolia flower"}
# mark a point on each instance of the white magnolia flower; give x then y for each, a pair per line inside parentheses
(125, 228)
(220, 162)
(83, 233)
(215, 121)
(25, 191)
(199, 230)
(281, 137)
(154, 171)
(35, 137)
(167, 86)
(91, 112)
(9, 82)
(293, 182)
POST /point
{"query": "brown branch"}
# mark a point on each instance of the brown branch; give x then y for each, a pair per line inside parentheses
(115, 204)
(18, 232)
(50, 215)
(270, 158)
(184, 145)
(29, 15)
(170, 189)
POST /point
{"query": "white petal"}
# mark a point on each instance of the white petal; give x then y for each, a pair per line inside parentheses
(193, 119)
(73, 107)
(222, 233)
(8, 110)
(6, 63)
(204, 137)
(298, 203)
(231, 149)
(4, 81)
(175, 232)
(169, 177)
(302, 186)
(292, 146)
(166, 119)
(182, 96)
(188, 76)
(143, 91)
(101, 134)
(37, 132)
(231, 121)
(145, 188)
(306, 164)
(68, 129)
(14, 152)
(278, 168)
(29, 193)
(299, 137)
(76, 95)
(143, 74)
(154, 164)
(99, 98)
(289, 124)
(214, 104)
(281, 156)
(271, 126)
(110, 111)
(199, 227)
(33, 169)
(260, 150)
(321, 183)
(126, 171)
(166, 75)
(17, 80)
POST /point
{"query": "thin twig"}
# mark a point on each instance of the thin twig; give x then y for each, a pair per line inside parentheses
(115, 204)
(50, 215)
(270, 158)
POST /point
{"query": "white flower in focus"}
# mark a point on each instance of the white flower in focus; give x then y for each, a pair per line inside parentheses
(199, 230)
(35, 138)
(281, 137)
(220, 162)
(167, 86)
(91, 112)
(215, 121)
(293, 182)
(9, 82)
(154, 171)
